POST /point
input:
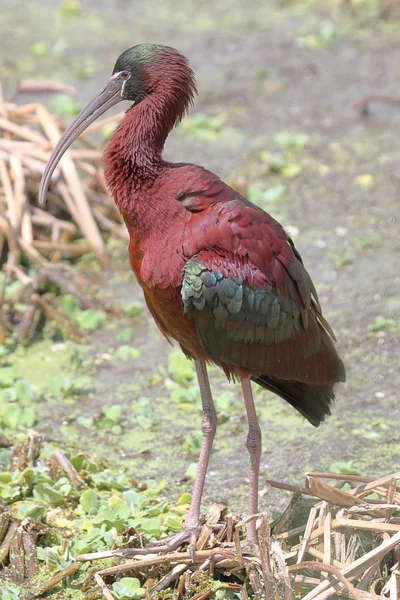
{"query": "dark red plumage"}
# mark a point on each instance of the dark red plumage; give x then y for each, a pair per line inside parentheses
(186, 211)
(219, 275)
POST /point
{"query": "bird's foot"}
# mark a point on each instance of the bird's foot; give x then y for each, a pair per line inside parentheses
(189, 535)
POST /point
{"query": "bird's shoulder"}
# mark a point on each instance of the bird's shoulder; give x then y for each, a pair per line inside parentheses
(220, 218)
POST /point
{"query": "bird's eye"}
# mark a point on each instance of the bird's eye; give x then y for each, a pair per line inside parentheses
(124, 75)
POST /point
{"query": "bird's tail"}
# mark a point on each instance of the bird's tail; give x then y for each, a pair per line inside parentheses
(312, 401)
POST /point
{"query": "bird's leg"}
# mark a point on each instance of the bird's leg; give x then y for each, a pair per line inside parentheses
(253, 444)
(208, 427)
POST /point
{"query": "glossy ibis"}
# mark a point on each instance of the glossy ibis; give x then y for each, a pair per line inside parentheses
(219, 275)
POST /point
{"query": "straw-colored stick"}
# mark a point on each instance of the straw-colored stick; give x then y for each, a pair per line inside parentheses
(20, 199)
(18, 192)
(67, 250)
(86, 221)
(31, 252)
(21, 111)
(327, 538)
(41, 217)
(13, 250)
(35, 86)
(320, 555)
(22, 132)
(307, 534)
(324, 590)
(8, 191)
(66, 196)
(357, 524)
(382, 481)
(104, 589)
(354, 593)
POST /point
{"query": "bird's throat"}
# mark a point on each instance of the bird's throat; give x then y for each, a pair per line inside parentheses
(133, 159)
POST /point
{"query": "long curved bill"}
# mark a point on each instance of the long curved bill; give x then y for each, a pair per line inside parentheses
(107, 98)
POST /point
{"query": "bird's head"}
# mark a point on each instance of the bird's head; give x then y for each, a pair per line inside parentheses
(153, 69)
(141, 71)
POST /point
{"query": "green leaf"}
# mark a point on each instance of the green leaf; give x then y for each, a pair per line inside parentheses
(7, 376)
(292, 141)
(125, 335)
(60, 384)
(192, 442)
(52, 558)
(113, 413)
(128, 587)
(69, 8)
(134, 500)
(47, 494)
(275, 193)
(191, 471)
(15, 417)
(133, 309)
(9, 592)
(85, 421)
(89, 501)
(5, 458)
(90, 319)
(64, 106)
(344, 468)
(31, 509)
(151, 527)
(119, 508)
(23, 390)
(381, 323)
(127, 353)
(69, 304)
(204, 126)
(173, 523)
(180, 367)
(108, 480)
(184, 499)
(82, 463)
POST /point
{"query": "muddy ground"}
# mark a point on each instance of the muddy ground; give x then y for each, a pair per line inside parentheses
(262, 68)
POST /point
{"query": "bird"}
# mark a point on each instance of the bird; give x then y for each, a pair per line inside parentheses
(219, 275)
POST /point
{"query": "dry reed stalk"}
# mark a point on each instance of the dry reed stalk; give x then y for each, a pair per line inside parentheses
(35, 86)
(104, 589)
(307, 534)
(64, 463)
(23, 132)
(324, 590)
(86, 220)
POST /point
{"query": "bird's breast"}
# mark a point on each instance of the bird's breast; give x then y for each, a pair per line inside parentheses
(166, 307)
(158, 269)
(156, 261)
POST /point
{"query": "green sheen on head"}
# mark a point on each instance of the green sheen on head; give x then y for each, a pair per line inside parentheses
(142, 54)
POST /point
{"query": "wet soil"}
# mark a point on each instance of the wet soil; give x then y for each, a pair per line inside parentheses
(251, 66)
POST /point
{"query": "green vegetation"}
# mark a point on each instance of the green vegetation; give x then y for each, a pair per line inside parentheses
(122, 406)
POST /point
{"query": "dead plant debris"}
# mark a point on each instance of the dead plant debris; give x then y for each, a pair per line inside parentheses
(79, 213)
(338, 538)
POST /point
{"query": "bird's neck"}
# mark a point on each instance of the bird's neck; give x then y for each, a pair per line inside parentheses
(133, 159)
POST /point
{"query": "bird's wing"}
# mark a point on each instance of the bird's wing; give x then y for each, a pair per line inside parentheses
(251, 297)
